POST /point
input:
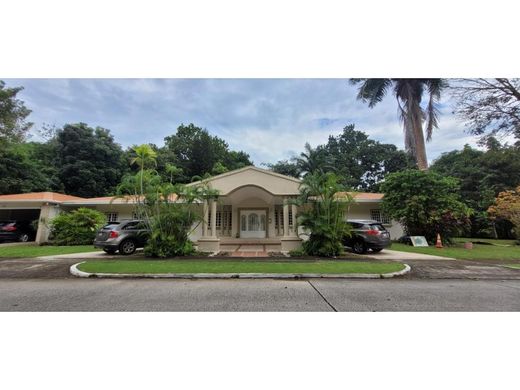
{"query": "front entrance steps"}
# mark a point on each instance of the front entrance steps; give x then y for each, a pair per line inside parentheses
(250, 250)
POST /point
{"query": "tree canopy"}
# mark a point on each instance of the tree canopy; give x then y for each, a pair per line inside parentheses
(13, 114)
(358, 161)
(197, 153)
(425, 203)
(490, 107)
(88, 160)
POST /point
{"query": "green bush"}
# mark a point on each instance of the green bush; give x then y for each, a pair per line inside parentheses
(77, 227)
(170, 227)
(426, 204)
(324, 215)
(297, 253)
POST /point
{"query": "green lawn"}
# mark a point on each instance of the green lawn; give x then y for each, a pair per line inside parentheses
(516, 266)
(479, 252)
(490, 240)
(226, 266)
(32, 250)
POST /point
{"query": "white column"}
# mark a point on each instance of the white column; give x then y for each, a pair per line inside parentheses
(285, 218)
(295, 227)
(47, 213)
(214, 218)
(205, 222)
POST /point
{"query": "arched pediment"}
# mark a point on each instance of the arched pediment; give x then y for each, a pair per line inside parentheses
(271, 182)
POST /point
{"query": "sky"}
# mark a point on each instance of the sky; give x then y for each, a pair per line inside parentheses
(270, 119)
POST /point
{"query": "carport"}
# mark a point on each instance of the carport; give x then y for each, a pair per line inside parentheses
(41, 206)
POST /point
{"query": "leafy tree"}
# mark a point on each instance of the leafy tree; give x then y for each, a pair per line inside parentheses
(482, 175)
(323, 214)
(409, 94)
(78, 227)
(507, 206)
(197, 153)
(490, 107)
(13, 114)
(284, 167)
(22, 170)
(425, 203)
(362, 163)
(89, 161)
(358, 161)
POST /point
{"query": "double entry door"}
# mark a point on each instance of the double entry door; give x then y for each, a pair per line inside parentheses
(253, 223)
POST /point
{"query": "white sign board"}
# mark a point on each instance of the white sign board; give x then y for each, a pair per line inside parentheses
(419, 241)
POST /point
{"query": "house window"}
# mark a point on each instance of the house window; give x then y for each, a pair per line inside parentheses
(111, 217)
(278, 219)
(224, 219)
(378, 216)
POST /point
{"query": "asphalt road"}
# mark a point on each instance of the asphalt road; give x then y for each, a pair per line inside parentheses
(258, 295)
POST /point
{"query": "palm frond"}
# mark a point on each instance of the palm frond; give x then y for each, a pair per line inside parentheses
(372, 91)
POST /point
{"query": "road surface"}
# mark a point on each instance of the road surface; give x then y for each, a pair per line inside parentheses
(258, 295)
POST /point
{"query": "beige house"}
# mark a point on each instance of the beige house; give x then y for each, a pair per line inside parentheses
(253, 209)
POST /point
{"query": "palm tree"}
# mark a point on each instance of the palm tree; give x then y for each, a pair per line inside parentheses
(144, 155)
(409, 93)
(312, 161)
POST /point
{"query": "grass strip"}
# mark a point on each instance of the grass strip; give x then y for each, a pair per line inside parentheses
(216, 266)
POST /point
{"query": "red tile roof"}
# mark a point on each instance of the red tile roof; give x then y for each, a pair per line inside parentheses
(362, 195)
(40, 197)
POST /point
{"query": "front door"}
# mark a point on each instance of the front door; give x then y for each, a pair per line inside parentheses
(253, 224)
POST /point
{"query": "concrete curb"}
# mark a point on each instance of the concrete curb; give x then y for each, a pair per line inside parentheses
(81, 274)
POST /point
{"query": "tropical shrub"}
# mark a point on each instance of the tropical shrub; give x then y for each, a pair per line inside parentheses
(166, 208)
(324, 204)
(425, 203)
(77, 227)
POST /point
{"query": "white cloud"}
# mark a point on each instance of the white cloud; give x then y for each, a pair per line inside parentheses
(267, 118)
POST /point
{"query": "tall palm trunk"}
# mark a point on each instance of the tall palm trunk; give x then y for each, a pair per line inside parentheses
(414, 135)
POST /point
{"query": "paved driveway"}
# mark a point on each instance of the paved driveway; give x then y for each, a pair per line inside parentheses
(388, 254)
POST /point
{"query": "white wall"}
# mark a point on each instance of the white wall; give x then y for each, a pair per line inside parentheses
(362, 211)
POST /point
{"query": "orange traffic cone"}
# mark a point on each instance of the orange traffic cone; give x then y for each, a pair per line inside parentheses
(438, 244)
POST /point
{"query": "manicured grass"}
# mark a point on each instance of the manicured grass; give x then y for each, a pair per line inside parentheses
(217, 266)
(479, 252)
(490, 240)
(31, 250)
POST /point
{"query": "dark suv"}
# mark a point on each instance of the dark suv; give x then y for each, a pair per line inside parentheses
(367, 234)
(17, 231)
(124, 236)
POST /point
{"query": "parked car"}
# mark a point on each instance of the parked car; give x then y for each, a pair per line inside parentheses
(124, 236)
(17, 231)
(367, 234)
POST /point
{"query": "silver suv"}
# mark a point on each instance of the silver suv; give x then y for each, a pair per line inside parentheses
(367, 234)
(124, 236)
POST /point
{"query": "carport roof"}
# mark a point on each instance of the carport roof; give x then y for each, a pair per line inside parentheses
(39, 197)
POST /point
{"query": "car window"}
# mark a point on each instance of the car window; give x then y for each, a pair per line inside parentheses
(141, 225)
(377, 226)
(131, 226)
(110, 226)
(356, 225)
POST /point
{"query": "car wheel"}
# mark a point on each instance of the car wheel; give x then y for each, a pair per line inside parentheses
(359, 247)
(127, 247)
(377, 250)
(24, 237)
(110, 251)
